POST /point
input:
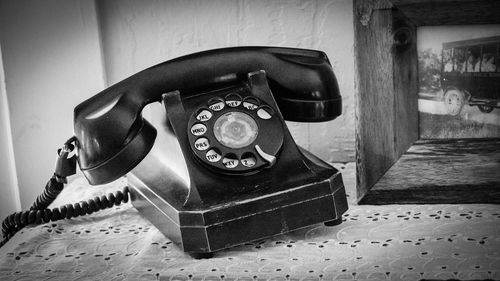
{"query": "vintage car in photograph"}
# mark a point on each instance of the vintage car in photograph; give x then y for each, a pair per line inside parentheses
(470, 74)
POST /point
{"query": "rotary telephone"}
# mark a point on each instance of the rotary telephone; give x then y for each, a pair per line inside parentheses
(216, 165)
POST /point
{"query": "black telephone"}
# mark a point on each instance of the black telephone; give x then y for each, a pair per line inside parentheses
(220, 168)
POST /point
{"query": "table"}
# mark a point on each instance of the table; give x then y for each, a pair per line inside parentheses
(390, 242)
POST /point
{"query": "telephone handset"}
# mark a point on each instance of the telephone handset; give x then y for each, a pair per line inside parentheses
(111, 131)
(216, 165)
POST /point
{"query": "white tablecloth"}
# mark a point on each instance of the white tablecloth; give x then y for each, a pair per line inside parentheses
(392, 242)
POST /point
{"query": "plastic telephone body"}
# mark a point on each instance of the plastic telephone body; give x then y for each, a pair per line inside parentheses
(207, 206)
(217, 166)
(112, 136)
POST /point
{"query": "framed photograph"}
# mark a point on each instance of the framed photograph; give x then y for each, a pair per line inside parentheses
(459, 81)
(428, 101)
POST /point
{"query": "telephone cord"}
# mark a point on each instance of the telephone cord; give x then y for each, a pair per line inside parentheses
(39, 213)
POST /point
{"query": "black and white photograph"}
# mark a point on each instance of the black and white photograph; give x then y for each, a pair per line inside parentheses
(459, 81)
(250, 140)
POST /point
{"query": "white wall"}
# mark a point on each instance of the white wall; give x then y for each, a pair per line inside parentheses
(138, 34)
(52, 61)
(9, 199)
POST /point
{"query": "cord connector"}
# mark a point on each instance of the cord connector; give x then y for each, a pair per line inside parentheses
(65, 162)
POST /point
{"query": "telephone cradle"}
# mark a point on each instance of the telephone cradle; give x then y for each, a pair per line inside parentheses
(214, 165)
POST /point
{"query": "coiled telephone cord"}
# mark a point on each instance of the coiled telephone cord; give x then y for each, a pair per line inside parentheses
(39, 213)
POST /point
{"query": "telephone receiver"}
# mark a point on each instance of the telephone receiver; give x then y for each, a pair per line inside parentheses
(216, 166)
(112, 135)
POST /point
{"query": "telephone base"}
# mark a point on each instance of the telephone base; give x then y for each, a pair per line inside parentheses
(200, 256)
(333, 222)
(202, 231)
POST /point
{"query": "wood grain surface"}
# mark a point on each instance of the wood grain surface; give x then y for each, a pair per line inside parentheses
(386, 112)
(443, 12)
(387, 116)
(442, 171)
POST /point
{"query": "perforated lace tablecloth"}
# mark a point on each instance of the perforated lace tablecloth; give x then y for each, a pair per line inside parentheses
(392, 242)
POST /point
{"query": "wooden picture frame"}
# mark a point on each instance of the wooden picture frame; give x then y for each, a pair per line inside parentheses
(393, 165)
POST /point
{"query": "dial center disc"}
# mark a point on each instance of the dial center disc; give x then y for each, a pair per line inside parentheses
(235, 129)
